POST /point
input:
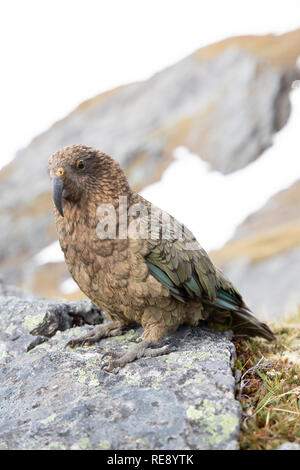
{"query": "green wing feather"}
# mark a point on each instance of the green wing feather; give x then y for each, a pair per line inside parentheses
(190, 275)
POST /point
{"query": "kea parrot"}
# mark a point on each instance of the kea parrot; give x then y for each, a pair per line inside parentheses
(135, 261)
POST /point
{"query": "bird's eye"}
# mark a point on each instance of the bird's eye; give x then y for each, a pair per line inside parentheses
(80, 164)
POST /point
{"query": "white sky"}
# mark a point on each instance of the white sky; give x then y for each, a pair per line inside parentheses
(55, 54)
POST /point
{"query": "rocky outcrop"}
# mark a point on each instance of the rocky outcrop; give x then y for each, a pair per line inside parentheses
(289, 446)
(263, 258)
(224, 102)
(54, 397)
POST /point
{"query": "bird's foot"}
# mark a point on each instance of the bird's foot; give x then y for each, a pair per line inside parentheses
(97, 333)
(142, 349)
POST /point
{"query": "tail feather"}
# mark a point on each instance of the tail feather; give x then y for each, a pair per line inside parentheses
(242, 321)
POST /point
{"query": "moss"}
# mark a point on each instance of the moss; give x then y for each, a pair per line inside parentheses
(4, 354)
(84, 443)
(56, 446)
(99, 395)
(114, 415)
(187, 359)
(193, 414)
(104, 445)
(93, 361)
(131, 335)
(31, 322)
(45, 346)
(87, 377)
(133, 380)
(155, 378)
(219, 426)
(198, 380)
(3, 445)
(138, 443)
(49, 419)
(10, 329)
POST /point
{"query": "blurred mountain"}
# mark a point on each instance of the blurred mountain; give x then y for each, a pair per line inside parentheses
(263, 258)
(224, 102)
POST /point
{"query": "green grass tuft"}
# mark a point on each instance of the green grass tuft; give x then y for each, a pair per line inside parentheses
(269, 391)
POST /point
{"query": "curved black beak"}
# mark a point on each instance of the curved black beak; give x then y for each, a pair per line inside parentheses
(57, 190)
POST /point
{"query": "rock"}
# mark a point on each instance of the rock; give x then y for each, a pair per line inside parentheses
(224, 102)
(20, 318)
(59, 398)
(263, 258)
(289, 446)
(281, 211)
(11, 290)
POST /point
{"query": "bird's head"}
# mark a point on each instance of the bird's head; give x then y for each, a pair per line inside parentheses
(78, 172)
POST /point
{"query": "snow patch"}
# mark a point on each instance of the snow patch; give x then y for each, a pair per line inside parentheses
(68, 286)
(51, 254)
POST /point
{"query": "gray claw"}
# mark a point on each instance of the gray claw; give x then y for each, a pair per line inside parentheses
(110, 366)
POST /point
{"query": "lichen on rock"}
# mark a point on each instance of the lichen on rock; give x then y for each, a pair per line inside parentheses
(61, 398)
